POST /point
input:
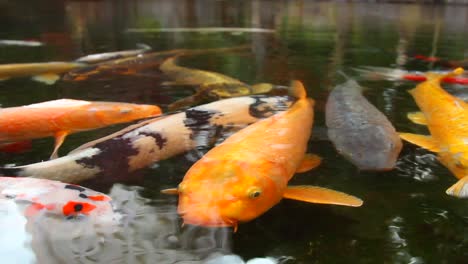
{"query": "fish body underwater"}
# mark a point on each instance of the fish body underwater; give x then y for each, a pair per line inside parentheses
(101, 57)
(359, 131)
(141, 145)
(209, 84)
(47, 72)
(392, 74)
(248, 173)
(446, 117)
(59, 118)
(38, 196)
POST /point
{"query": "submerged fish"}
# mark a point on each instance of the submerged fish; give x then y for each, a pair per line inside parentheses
(390, 74)
(248, 173)
(138, 65)
(24, 43)
(446, 117)
(37, 196)
(209, 84)
(101, 57)
(359, 131)
(143, 144)
(58, 118)
(47, 72)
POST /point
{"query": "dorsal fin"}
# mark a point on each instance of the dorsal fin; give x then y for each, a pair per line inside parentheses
(297, 90)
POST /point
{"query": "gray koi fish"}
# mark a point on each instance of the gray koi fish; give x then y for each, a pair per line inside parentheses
(359, 131)
(142, 144)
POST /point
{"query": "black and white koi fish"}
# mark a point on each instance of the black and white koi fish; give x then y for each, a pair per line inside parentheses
(141, 145)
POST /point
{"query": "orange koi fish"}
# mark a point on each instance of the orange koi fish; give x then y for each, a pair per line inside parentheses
(53, 197)
(248, 173)
(446, 118)
(58, 118)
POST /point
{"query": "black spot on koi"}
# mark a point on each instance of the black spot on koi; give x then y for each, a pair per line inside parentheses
(75, 187)
(160, 140)
(264, 109)
(113, 157)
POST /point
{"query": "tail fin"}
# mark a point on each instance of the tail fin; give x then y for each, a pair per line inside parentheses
(438, 77)
(10, 171)
(297, 90)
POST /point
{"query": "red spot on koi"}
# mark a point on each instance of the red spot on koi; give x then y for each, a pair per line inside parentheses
(99, 198)
(74, 208)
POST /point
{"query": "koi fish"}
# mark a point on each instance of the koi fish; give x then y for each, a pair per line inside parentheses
(248, 173)
(383, 73)
(443, 62)
(23, 43)
(359, 131)
(209, 84)
(53, 197)
(101, 57)
(138, 65)
(446, 117)
(142, 144)
(46, 72)
(58, 118)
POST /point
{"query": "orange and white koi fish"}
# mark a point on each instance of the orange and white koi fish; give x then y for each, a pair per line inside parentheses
(52, 197)
(46, 72)
(59, 118)
(248, 173)
(390, 74)
(142, 144)
(446, 117)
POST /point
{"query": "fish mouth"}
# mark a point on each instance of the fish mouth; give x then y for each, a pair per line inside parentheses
(207, 219)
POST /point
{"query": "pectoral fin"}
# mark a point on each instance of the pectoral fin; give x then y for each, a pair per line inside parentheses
(59, 138)
(309, 162)
(459, 189)
(417, 118)
(170, 191)
(47, 78)
(426, 142)
(314, 194)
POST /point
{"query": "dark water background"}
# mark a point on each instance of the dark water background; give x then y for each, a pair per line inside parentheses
(406, 217)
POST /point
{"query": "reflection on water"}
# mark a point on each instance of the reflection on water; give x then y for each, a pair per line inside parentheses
(407, 218)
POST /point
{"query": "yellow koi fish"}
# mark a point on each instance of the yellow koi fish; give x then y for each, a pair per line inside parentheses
(248, 173)
(46, 72)
(446, 117)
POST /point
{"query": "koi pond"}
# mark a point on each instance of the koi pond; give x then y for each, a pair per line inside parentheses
(406, 216)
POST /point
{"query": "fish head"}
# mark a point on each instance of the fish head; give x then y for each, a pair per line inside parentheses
(112, 113)
(224, 193)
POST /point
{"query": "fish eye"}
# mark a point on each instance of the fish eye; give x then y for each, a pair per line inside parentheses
(254, 193)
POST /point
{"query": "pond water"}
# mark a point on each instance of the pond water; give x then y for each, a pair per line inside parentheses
(406, 216)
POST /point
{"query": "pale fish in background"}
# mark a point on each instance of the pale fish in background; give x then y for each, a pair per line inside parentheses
(22, 43)
(390, 74)
(101, 57)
